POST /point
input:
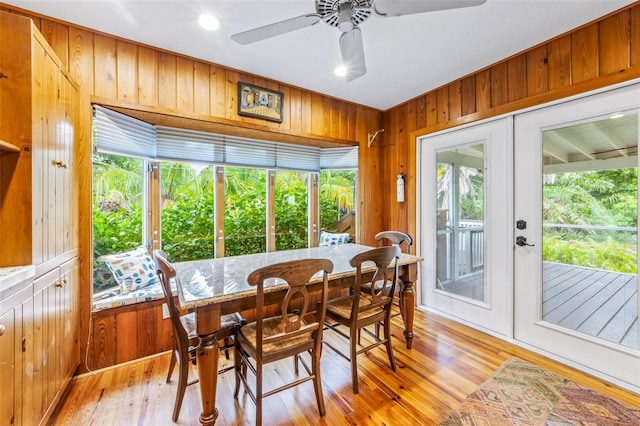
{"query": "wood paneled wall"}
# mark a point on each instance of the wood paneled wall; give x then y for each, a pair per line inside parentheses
(130, 75)
(596, 55)
(134, 76)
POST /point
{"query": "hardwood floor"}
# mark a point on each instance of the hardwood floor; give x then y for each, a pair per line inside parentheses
(448, 361)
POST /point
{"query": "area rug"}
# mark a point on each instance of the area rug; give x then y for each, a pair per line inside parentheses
(520, 393)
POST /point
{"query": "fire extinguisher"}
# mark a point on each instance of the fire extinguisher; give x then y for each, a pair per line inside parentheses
(400, 188)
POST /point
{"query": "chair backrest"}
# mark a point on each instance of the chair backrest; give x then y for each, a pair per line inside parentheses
(166, 272)
(396, 238)
(295, 305)
(384, 277)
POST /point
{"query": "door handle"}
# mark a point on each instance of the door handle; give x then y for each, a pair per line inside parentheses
(522, 241)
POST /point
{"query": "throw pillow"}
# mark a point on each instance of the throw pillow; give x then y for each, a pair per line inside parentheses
(133, 269)
(330, 239)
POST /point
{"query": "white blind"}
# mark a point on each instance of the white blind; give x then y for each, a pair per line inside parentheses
(249, 152)
(116, 133)
(188, 145)
(120, 134)
(339, 158)
(297, 157)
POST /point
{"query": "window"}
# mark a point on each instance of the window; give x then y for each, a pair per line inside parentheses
(199, 195)
(187, 210)
(291, 210)
(118, 188)
(337, 206)
(245, 211)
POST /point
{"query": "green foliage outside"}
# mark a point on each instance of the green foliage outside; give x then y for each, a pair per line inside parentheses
(187, 217)
(605, 198)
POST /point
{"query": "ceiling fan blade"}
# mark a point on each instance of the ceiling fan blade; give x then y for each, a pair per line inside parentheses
(276, 28)
(391, 8)
(353, 54)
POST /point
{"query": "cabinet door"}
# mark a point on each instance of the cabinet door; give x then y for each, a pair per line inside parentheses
(31, 405)
(45, 341)
(70, 349)
(39, 155)
(7, 367)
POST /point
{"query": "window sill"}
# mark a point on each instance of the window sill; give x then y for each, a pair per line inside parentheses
(113, 299)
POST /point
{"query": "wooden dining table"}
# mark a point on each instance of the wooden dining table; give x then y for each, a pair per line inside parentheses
(213, 287)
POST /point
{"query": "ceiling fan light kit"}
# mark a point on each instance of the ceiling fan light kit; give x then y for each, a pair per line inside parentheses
(347, 15)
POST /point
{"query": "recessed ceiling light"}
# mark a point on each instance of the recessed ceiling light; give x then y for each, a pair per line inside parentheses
(617, 115)
(208, 22)
(340, 71)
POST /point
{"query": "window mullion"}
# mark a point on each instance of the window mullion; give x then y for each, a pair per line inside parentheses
(219, 208)
(271, 210)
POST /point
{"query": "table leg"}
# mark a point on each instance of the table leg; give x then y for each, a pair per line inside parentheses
(207, 353)
(407, 307)
(207, 361)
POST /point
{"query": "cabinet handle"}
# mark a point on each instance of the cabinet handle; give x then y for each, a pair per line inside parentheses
(64, 280)
(60, 164)
(1, 329)
(59, 283)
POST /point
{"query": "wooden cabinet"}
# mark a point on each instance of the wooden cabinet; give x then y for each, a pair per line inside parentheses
(38, 116)
(52, 354)
(39, 345)
(11, 355)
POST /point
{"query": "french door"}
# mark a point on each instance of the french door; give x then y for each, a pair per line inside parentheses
(466, 185)
(575, 224)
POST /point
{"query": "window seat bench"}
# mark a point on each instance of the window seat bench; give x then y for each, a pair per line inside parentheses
(114, 299)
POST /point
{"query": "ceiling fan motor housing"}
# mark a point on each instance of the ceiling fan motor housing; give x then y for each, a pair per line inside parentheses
(337, 12)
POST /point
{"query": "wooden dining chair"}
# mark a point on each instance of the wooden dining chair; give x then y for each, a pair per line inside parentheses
(185, 339)
(366, 305)
(294, 331)
(404, 241)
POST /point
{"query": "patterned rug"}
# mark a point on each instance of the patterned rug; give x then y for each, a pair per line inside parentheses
(520, 393)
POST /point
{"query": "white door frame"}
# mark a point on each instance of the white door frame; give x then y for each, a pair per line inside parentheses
(494, 316)
(615, 363)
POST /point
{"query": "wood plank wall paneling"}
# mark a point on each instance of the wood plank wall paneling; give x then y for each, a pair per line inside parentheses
(596, 55)
(599, 54)
(129, 73)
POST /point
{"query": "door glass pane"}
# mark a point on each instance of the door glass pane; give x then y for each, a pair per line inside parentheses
(590, 216)
(460, 221)
(186, 203)
(245, 216)
(292, 214)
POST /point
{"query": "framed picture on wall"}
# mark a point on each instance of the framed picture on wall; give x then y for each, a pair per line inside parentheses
(259, 102)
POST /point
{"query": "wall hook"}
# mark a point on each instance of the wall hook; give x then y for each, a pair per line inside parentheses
(372, 137)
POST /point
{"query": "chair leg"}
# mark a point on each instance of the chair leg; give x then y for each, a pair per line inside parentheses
(387, 335)
(353, 358)
(227, 344)
(236, 369)
(296, 367)
(317, 382)
(258, 394)
(172, 364)
(183, 378)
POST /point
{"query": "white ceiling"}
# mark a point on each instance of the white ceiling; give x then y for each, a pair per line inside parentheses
(406, 56)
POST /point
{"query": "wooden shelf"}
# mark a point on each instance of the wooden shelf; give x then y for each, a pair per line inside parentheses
(6, 146)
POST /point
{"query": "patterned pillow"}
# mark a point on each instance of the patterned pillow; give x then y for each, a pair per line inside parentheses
(133, 269)
(329, 239)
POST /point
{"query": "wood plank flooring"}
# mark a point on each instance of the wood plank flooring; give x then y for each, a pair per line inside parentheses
(448, 361)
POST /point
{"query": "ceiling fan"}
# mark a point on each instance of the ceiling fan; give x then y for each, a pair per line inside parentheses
(347, 15)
